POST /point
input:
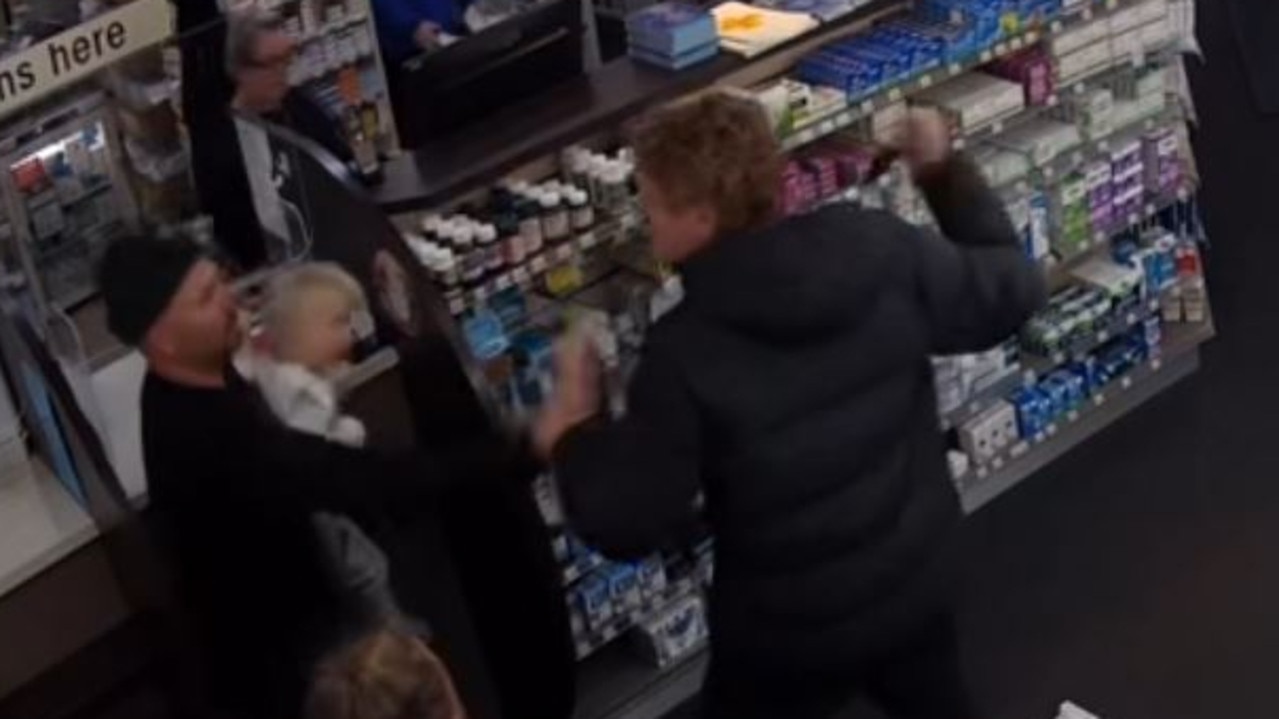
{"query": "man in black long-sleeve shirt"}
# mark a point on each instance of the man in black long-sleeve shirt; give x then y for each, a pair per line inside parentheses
(234, 491)
(792, 388)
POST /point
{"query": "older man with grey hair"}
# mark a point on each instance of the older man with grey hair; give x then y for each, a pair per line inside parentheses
(258, 56)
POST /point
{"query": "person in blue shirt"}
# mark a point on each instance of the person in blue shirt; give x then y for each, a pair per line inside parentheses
(408, 27)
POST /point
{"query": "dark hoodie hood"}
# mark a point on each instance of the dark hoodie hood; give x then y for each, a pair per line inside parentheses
(779, 283)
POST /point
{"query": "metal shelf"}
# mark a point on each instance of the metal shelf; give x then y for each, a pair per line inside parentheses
(1179, 359)
(860, 108)
(615, 684)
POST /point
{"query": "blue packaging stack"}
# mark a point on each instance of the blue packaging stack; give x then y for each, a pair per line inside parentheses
(672, 35)
(937, 32)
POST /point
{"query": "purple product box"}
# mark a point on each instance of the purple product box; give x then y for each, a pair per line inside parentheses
(1163, 167)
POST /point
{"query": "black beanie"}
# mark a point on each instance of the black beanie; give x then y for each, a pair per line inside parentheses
(138, 276)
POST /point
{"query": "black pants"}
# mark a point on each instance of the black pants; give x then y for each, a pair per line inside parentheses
(918, 678)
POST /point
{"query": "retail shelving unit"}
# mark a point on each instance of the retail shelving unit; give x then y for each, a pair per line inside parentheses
(527, 141)
(67, 195)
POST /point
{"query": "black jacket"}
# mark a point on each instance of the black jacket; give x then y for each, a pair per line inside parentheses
(233, 491)
(793, 388)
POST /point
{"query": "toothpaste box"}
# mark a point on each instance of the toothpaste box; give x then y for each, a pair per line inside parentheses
(623, 587)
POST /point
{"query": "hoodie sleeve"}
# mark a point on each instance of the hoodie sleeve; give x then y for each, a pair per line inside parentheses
(976, 284)
(630, 486)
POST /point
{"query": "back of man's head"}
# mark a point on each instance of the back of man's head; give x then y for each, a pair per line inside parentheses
(139, 276)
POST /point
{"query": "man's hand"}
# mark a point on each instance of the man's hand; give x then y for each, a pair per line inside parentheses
(925, 143)
(427, 35)
(576, 397)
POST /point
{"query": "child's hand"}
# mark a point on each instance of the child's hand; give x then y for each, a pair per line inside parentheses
(576, 397)
(925, 144)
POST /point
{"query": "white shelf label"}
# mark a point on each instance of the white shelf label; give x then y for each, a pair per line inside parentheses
(1018, 450)
(985, 56)
(926, 81)
(1102, 336)
(807, 136)
(1151, 210)
(1001, 49)
(1055, 27)
(538, 264)
(1058, 357)
(1099, 399)
(1132, 318)
(997, 464)
(1156, 364)
(895, 94)
(1072, 416)
(586, 240)
(955, 69)
(1126, 382)
(480, 294)
(1051, 430)
(982, 473)
(1133, 218)
(868, 106)
(502, 282)
(827, 127)
(1037, 439)
(997, 127)
(564, 252)
(1086, 14)
(1018, 43)
(521, 275)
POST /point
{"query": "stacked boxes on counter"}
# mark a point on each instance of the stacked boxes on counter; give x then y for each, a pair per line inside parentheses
(672, 35)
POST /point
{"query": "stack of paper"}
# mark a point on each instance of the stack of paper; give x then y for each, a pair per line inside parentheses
(748, 30)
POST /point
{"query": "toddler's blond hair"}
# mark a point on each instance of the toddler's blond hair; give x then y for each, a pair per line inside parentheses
(389, 674)
(289, 291)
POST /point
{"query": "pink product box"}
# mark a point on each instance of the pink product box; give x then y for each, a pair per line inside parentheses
(826, 173)
(854, 166)
(1033, 69)
(799, 190)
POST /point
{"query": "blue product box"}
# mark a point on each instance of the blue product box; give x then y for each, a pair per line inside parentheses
(1153, 335)
(652, 577)
(1033, 412)
(623, 587)
(594, 600)
(672, 28)
(677, 62)
(1085, 370)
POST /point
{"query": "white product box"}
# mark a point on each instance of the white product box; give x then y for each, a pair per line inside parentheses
(1081, 62)
(1127, 45)
(1000, 166)
(1156, 34)
(1110, 277)
(975, 99)
(983, 436)
(1080, 37)
(675, 631)
(1041, 140)
(1152, 11)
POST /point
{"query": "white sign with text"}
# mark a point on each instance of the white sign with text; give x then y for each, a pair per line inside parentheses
(74, 54)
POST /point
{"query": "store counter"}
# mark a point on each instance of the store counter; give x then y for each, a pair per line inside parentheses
(443, 169)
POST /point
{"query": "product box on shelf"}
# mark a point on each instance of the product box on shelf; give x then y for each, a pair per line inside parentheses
(1041, 140)
(1090, 59)
(975, 99)
(674, 632)
(1033, 69)
(671, 29)
(983, 437)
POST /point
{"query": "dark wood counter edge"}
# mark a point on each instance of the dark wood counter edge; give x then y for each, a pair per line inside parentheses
(486, 151)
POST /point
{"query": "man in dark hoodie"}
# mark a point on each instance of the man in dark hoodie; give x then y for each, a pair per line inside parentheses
(792, 390)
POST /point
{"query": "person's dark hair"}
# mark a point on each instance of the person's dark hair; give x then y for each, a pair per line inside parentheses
(389, 674)
(243, 28)
(139, 276)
